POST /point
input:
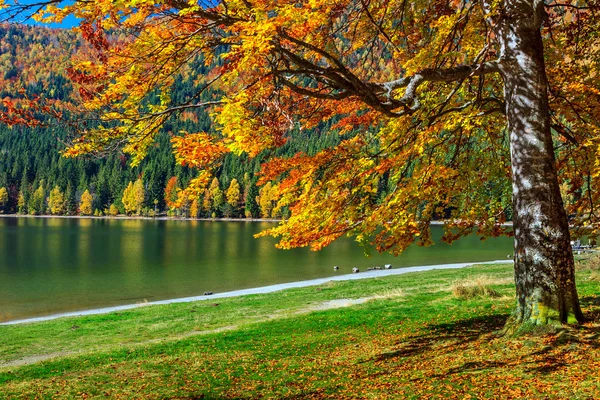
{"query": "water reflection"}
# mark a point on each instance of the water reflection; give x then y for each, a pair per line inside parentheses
(54, 265)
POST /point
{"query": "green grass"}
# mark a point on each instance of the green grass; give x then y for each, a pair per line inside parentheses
(414, 338)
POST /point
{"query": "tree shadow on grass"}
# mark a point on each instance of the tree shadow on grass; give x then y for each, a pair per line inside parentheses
(547, 364)
(471, 328)
(590, 301)
(445, 336)
(552, 356)
(591, 305)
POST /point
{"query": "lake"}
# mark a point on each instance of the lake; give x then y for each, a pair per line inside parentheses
(55, 265)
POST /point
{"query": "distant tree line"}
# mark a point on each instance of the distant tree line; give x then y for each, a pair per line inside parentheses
(36, 180)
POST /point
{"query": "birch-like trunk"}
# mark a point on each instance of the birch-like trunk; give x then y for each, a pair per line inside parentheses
(544, 266)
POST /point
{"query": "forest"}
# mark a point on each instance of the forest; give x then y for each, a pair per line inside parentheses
(36, 179)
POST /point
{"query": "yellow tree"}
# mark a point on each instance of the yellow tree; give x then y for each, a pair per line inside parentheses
(453, 103)
(265, 200)
(195, 208)
(113, 210)
(128, 199)
(233, 195)
(206, 201)
(139, 195)
(3, 198)
(171, 192)
(216, 195)
(56, 201)
(21, 203)
(85, 203)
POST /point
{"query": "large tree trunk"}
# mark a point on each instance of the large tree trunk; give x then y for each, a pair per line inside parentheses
(544, 267)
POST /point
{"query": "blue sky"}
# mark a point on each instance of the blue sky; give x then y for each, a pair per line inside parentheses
(69, 22)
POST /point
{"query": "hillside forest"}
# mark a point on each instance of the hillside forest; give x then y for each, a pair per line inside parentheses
(36, 179)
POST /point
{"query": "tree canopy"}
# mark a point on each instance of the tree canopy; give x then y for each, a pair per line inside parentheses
(471, 112)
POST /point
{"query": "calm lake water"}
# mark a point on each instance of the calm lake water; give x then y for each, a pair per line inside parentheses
(53, 265)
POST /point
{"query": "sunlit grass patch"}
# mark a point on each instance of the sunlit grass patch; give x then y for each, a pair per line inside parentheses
(589, 262)
(479, 286)
(594, 276)
(396, 293)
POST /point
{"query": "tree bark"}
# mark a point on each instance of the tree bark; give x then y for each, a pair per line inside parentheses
(544, 266)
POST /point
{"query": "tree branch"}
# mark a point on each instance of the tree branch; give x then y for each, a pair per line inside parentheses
(312, 93)
(412, 83)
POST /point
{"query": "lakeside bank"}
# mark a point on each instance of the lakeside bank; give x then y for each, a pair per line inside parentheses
(257, 290)
(60, 265)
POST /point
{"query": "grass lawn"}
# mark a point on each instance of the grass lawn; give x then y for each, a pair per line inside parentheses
(419, 335)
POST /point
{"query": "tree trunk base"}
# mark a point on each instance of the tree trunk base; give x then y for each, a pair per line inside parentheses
(537, 316)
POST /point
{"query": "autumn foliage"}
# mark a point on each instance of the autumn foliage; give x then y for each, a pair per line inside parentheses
(85, 204)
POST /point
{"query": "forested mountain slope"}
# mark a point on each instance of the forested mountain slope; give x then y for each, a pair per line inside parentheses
(38, 180)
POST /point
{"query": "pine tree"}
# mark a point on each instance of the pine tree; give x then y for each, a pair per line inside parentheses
(36, 202)
(251, 208)
(70, 200)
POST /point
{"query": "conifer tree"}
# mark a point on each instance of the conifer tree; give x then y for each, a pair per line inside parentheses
(37, 201)
(251, 208)
(70, 200)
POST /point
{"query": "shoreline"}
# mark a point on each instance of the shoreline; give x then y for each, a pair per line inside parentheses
(256, 290)
(138, 217)
(165, 218)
